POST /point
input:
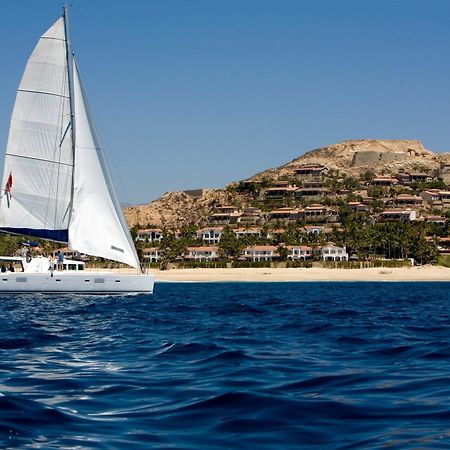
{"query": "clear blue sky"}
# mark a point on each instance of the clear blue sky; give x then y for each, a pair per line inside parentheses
(198, 93)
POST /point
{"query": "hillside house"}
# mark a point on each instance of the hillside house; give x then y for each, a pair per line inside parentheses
(313, 183)
(420, 177)
(398, 215)
(227, 209)
(225, 218)
(227, 214)
(204, 253)
(313, 229)
(250, 183)
(430, 196)
(260, 253)
(280, 192)
(444, 172)
(308, 171)
(434, 219)
(242, 232)
(251, 216)
(149, 235)
(281, 184)
(443, 244)
(210, 235)
(358, 207)
(444, 197)
(436, 198)
(331, 252)
(284, 214)
(409, 200)
(384, 181)
(311, 193)
(318, 213)
(403, 178)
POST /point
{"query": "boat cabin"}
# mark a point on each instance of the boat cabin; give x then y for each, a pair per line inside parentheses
(39, 264)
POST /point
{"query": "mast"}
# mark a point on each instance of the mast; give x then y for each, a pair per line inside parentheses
(69, 60)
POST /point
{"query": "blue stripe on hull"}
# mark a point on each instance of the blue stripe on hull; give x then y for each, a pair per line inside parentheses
(53, 235)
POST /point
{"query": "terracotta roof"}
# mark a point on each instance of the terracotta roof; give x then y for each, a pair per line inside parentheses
(278, 231)
(261, 247)
(149, 230)
(301, 247)
(203, 248)
(209, 229)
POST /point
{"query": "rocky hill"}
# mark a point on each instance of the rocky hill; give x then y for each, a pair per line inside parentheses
(175, 209)
(357, 156)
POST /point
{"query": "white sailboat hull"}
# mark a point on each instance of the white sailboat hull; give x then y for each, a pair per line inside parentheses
(76, 283)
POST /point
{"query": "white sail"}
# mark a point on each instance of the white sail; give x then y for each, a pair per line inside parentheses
(36, 190)
(97, 226)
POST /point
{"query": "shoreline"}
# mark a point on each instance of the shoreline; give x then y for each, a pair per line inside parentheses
(200, 275)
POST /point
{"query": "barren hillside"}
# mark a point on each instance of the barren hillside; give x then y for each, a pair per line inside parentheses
(175, 209)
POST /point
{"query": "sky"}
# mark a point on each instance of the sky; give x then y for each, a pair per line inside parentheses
(199, 93)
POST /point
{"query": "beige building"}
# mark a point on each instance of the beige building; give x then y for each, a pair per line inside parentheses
(260, 253)
(205, 253)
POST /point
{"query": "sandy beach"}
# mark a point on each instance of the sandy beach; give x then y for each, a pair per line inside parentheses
(422, 273)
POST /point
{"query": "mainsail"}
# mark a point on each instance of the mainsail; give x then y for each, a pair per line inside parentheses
(56, 183)
(36, 187)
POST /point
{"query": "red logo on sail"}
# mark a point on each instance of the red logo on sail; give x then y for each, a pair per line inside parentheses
(8, 189)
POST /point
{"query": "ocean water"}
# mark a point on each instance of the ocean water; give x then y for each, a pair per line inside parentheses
(229, 366)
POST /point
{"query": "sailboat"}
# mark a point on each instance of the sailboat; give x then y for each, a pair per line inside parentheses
(56, 182)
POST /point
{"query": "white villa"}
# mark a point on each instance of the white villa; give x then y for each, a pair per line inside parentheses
(260, 253)
(330, 252)
(299, 252)
(202, 253)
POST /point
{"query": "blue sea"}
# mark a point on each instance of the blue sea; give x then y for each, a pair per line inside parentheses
(229, 366)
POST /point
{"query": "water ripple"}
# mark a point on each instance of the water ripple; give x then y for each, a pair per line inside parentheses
(198, 366)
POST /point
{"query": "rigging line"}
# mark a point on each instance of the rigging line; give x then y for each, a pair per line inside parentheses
(31, 91)
(40, 159)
